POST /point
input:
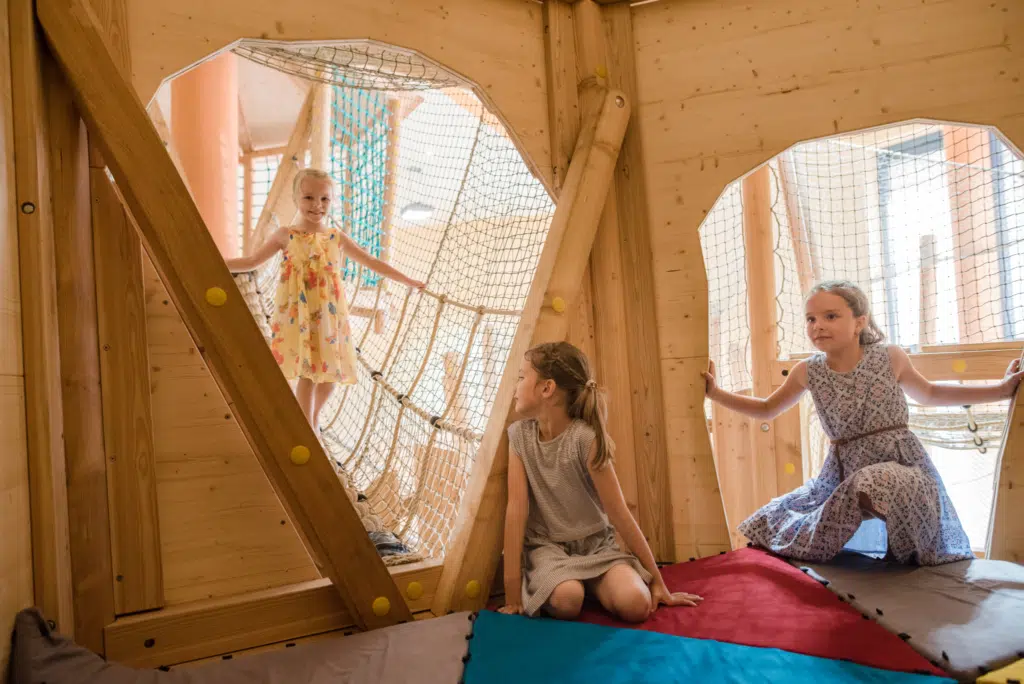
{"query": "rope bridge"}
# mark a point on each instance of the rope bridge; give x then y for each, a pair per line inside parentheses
(428, 181)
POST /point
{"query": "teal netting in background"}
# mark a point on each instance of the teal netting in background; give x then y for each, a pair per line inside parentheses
(359, 148)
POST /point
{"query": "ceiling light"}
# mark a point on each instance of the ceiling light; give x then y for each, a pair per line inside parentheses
(417, 211)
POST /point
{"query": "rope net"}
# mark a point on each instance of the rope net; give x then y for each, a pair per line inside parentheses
(928, 219)
(428, 180)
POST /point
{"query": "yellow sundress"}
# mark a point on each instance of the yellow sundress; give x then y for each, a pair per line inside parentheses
(310, 333)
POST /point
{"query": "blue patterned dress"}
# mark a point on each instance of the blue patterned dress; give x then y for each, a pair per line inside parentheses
(865, 411)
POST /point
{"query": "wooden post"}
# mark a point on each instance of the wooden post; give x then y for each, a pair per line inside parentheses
(473, 556)
(219, 319)
(247, 227)
(320, 127)
(929, 293)
(51, 561)
(280, 202)
(609, 307)
(677, 486)
(124, 365)
(806, 264)
(1006, 529)
(760, 266)
(91, 575)
(563, 101)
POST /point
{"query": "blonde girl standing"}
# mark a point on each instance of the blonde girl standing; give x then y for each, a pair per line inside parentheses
(310, 332)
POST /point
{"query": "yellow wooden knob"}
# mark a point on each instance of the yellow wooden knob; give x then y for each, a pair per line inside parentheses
(414, 590)
(472, 589)
(601, 71)
(790, 468)
(558, 304)
(381, 606)
(959, 366)
(216, 296)
(300, 455)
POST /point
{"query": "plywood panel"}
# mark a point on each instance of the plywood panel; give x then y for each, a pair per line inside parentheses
(751, 79)
(15, 524)
(222, 528)
(498, 44)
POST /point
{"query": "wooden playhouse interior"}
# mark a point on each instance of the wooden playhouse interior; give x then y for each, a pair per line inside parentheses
(164, 500)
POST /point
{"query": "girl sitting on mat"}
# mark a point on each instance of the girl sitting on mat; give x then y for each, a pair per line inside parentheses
(565, 503)
(310, 334)
(876, 467)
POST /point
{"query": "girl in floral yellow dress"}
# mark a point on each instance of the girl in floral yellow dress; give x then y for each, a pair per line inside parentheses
(311, 337)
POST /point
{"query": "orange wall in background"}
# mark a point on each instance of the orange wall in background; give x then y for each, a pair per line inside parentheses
(204, 125)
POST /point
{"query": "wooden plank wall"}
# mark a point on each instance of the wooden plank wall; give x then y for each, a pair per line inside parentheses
(51, 555)
(495, 43)
(16, 589)
(761, 77)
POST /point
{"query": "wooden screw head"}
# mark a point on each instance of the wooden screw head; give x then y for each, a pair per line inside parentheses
(300, 455)
(381, 606)
(790, 468)
(216, 296)
(414, 590)
(472, 589)
(558, 304)
(959, 366)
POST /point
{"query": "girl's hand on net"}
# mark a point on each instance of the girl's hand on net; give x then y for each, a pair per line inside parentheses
(710, 385)
(660, 595)
(416, 284)
(1013, 377)
(511, 609)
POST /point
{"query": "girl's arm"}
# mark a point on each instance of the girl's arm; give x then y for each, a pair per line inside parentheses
(356, 253)
(606, 482)
(929, 393)
(268, 249)
(515, 528)
(780, 401)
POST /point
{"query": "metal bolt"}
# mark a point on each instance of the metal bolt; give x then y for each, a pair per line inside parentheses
(619, 102)
(765, 427)
(28, 208)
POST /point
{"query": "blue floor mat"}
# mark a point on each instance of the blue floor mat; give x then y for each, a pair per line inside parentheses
(512, 648)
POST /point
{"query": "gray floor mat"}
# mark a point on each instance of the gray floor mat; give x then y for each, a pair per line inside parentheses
(966, 617)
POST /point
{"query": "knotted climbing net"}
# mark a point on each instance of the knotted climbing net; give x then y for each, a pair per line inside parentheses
(430, 181)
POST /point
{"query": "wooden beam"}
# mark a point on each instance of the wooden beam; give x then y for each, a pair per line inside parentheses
(1006, 529)
(760, 271)
(218, 318)
(680, 502)
(91, 575)
(474, 553)
(244, 136)
(208, 628)
(51, 561)
(563, 100)
(606, 287)
(279, 201)
(803, 250)
(113, 20)
(942, 366)
(127, 413)
(320, 127)
(247, 205)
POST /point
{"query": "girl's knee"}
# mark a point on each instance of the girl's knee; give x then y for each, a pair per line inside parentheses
(633, 604)
(566, 601)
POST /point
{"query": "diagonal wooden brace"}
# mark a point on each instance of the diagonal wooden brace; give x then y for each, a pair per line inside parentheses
(211, 306)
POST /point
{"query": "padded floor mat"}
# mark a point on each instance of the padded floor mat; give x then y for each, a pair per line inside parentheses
(757, 599)
(966, 616)
(512, 648)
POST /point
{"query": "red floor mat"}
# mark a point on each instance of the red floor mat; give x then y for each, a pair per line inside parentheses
(755, 599)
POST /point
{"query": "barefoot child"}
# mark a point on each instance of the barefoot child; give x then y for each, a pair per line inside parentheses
(876, 467)
(565, 503)
(310, 329)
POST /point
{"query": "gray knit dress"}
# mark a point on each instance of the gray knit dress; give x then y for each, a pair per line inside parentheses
(568, 536)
